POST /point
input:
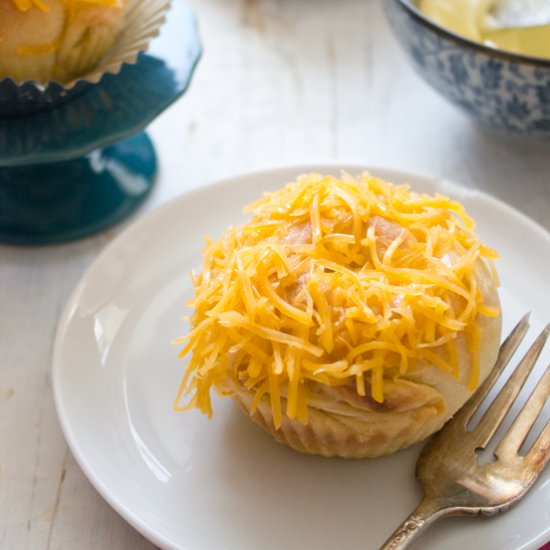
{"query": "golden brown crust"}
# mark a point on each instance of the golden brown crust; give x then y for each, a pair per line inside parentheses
(341, 423)
(76, 46)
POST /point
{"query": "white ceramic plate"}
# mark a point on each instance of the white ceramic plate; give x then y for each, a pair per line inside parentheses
(187, 482)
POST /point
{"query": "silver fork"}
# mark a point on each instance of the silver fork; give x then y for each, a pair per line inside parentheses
(453, 481)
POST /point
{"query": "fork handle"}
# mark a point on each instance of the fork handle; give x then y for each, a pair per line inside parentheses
(428, 511)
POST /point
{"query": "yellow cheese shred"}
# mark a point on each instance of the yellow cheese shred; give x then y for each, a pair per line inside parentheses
(26, 5)
(338, 281)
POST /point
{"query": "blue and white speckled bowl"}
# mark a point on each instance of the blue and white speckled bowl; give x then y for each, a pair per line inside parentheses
(502, 91)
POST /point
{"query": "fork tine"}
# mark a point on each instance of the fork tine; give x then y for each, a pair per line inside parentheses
(507, 350)
(492, 418)
(517, 433)
(539, 454)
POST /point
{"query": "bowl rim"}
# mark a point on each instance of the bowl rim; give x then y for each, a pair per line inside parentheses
(414, 11)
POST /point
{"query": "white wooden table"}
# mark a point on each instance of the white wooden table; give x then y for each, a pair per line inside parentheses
(280, 82)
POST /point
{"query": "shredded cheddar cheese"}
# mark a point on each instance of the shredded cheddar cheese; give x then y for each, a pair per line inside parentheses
(26, 5)
(337, 281)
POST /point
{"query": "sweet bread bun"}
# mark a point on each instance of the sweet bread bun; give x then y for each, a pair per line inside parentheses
(348, 317)
(44, 40)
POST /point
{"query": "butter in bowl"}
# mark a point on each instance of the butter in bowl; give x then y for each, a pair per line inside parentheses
(490, 58)
(517, 26)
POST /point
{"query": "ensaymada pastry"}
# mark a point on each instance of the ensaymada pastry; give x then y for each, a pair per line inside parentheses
(44, 40)
(348, 317)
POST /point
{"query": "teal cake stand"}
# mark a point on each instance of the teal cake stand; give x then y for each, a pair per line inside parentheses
(79, 168)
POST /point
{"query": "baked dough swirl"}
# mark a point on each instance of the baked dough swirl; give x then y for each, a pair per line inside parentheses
(348, 317)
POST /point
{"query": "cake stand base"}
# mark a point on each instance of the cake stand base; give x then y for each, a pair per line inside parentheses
(61, 201)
